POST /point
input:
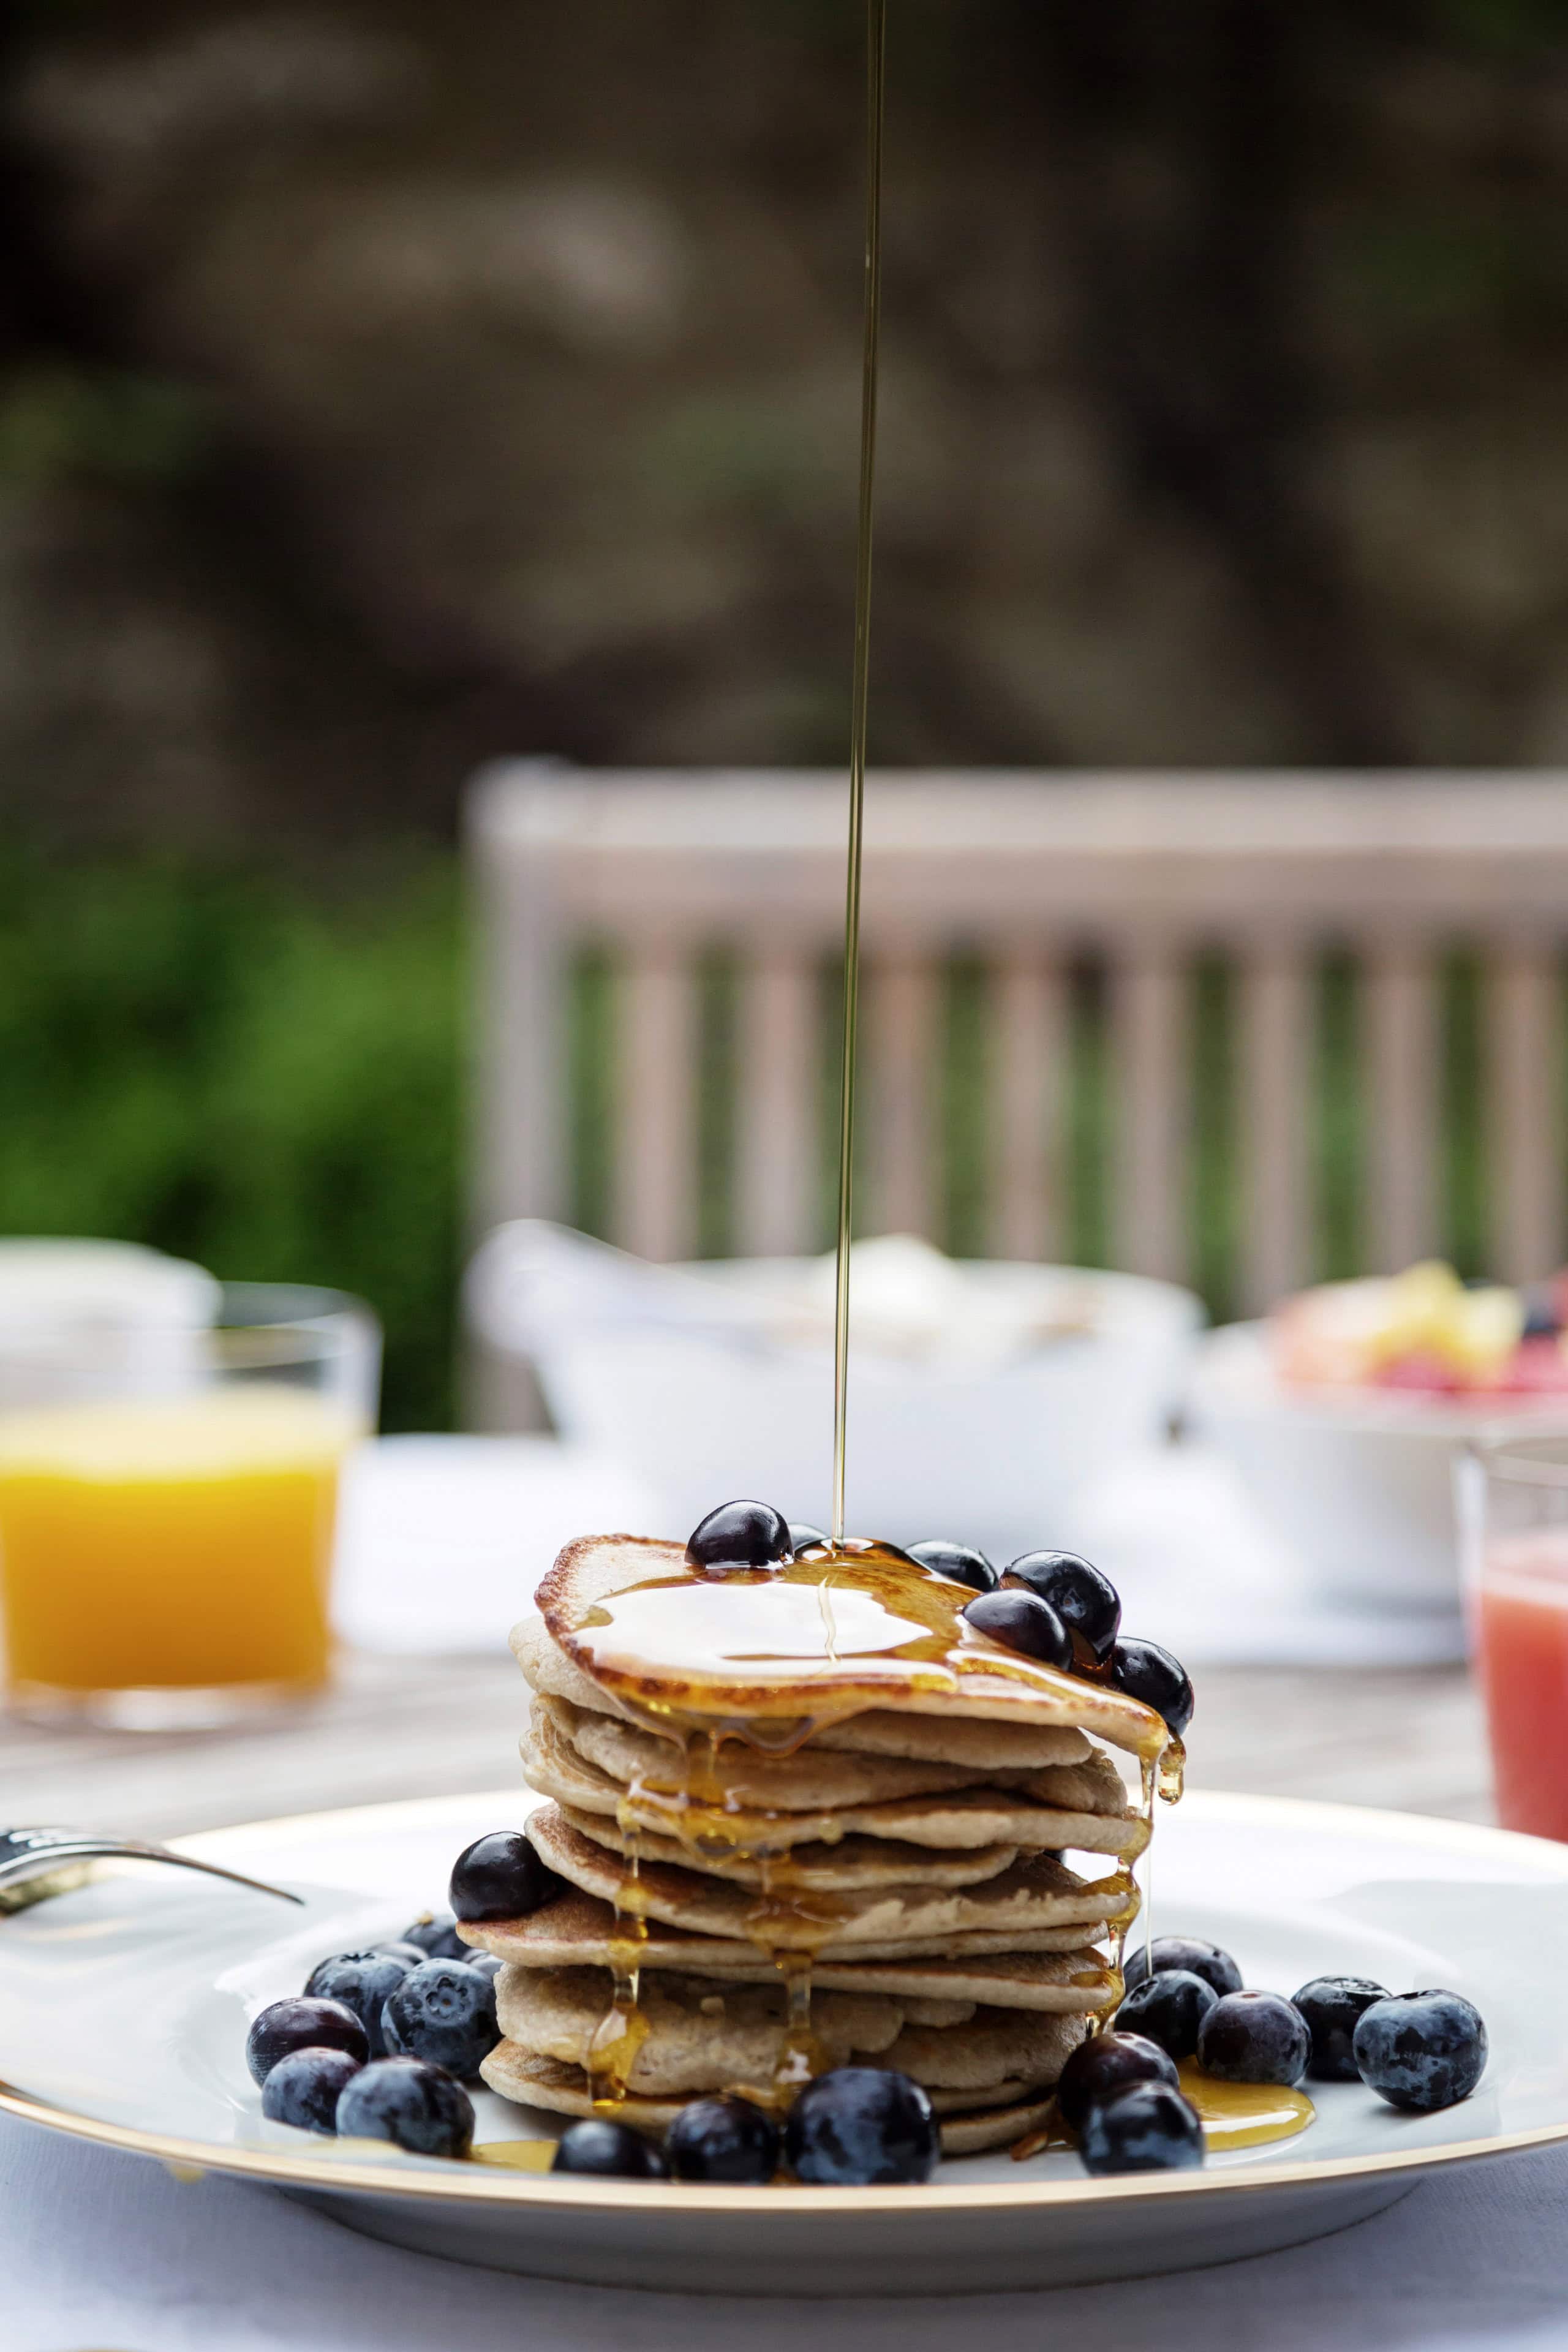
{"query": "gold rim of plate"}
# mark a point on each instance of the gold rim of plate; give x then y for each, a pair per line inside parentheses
(193, 2159)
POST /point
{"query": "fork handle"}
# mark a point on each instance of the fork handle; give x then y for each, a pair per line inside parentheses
(30, 1853)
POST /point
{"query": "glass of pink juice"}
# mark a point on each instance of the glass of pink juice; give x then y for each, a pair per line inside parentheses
(1513, 1520)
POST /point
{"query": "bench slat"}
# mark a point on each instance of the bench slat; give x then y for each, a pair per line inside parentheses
(1402, 1063)
(901, 1005)
(1150, 1018)
(776, 1110)
(655, 1158)
(1030, 997)
(1274, 1059)
(1524, 1087)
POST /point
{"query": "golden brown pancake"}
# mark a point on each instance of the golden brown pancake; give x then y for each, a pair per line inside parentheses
(700, 2036)
(576, 1927)
(968, 2124)
(957, 1819)
(1035, 1892)
(851, 1866)
(596, 1571)
(578, 1932)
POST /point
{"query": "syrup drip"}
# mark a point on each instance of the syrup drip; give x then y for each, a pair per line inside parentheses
(515, 2155)
(1243, 2114)
(876, 53)
(623, 2029)
(1233, 2115)
(801, 2053)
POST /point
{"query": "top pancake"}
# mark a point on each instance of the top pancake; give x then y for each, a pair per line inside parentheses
(801, 1646)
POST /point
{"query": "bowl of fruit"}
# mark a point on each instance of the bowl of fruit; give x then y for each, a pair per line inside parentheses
(986, 1393)
(1343, 1412)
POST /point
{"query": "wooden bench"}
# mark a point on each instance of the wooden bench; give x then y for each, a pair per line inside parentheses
(1033, 876)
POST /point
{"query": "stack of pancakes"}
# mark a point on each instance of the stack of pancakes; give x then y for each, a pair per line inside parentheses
(903, 1860)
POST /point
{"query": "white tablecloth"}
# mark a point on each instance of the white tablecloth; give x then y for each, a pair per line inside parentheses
(102, 2252)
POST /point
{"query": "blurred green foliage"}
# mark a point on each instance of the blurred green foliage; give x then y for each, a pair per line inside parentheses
(61, 422)
(247, 1069)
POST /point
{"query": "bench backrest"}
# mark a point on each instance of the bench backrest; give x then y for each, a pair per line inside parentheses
(1030, 877)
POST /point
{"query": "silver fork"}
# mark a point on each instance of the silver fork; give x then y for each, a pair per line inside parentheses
(30, 1857)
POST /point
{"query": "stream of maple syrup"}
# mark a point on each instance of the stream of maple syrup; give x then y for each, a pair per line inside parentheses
(771, 1656)
(614, 2048)
(876, 61)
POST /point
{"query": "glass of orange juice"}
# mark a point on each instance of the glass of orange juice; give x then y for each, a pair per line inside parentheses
(167, 1503)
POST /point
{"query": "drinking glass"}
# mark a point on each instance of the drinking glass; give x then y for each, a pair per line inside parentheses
(167, 1503)
(1512, 1497)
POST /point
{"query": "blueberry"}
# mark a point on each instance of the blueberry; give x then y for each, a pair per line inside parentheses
(304, 2088)
(434, 1937)
(412, 1955)
(1206, 1960)
(1147, 2127)
(362, 1981)
(1421, 2050)
(445, 2012)
(960, 1561)
(411, 2102)
(1145, 1671)
(1333, 2006)
(722, 2139)
(739, 1534)
(1087, 1603)
(1023, 1624)
(1254, 2037)
(1170, 2007)
(861, 2126)
(297, 2023)
(1105, 2065)
(803, 1537)
(501, 1877)
(613, 2151)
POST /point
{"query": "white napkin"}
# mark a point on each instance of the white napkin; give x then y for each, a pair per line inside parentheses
(441, 1540)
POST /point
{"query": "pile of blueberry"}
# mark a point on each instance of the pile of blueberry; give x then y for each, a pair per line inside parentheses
(855, 2127)
(380, 2043)
(1048, 1605)
(1120, 2093)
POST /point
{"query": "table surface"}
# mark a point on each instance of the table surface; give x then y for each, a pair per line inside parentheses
(1472, 2263)
(400, 1726)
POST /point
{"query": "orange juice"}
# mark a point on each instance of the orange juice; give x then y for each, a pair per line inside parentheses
(178, 1544)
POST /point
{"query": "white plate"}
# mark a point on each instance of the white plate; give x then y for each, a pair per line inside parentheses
(123, 2008)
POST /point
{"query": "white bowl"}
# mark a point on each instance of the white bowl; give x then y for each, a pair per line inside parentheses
(694, 1378)
(1358, 1483)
